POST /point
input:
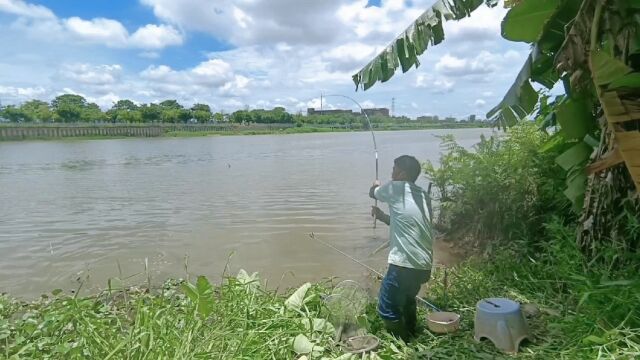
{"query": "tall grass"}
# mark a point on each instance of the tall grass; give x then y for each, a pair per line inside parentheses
(584, 314)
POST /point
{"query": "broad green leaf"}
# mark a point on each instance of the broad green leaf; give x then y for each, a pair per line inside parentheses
(205, 296)
(302, 345)
(296, 300)
(520, 99)
(345, 357)
(628, 81)
(575, 119)
(115, 284)
(592, 339)
(607, 69)
(425, 31)
(319, 325)
(576, 155)
(524, 22)
(190, 291)
(553, 32)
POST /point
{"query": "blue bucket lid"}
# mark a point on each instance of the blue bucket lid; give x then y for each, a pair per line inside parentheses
(498, 305)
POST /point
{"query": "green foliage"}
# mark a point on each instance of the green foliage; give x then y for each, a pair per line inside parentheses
(202, 113)
(584, 313)
(14, 114)
(525, 21)
(38, 111)
(260, 116)
(503, 189)
(427, 30)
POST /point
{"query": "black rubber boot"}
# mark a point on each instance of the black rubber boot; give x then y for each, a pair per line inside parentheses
(397, 328)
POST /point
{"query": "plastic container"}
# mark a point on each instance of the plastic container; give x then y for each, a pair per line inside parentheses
(443, 322)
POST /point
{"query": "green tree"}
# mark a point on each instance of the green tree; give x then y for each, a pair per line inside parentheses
(201, 112)
(218, 117)
(150, 113)
(93, 113)
(68, 107)
(171, 104)
(37, 110)
(14, 114)
(126, 105)
(125, 111)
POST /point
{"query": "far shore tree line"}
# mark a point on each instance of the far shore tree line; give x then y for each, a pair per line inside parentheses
(70, 108)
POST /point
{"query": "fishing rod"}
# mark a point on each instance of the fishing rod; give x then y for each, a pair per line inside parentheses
(313, 237)
(373, 135)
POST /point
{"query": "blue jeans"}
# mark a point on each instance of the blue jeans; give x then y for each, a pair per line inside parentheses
(397, 298)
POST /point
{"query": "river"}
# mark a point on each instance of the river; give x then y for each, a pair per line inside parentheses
(81, 212)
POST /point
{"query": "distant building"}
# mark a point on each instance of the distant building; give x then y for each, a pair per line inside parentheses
(426, 118)
(312, 111)
(377, 112)
(450, 119)
(472, 118)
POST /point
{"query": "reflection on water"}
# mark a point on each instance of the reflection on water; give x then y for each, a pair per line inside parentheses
(74, 210)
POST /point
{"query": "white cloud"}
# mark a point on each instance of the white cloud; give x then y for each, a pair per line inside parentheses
(21, 8)
(212, 72)
(479, 103)
(250, 22)
(22, 92)
(113, 33)
(484, 63)
(41, 23)
(92, 74)
(100, 30)
(279, 49)
(155, 37)
(195, 82)
(437, 85)
(368, 104)
(236, 87)
(349, 57)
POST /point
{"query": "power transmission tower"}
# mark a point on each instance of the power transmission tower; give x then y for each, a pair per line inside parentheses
(393, 106)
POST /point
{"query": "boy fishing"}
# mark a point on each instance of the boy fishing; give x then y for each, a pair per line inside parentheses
(410, 243)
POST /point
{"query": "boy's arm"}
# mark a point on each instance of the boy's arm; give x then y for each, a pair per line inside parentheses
(380, 215)
(372, 190)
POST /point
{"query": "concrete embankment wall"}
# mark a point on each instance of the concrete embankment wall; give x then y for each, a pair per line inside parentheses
(19, 132)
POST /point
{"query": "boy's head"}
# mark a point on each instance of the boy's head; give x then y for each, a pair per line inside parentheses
(405, 168)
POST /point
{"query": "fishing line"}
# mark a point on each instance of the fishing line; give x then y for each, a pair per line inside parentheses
(373, 136)
(313, 237)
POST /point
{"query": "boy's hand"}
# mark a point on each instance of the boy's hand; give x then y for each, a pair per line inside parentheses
(380, 215)
(376, 183)
(377, 212)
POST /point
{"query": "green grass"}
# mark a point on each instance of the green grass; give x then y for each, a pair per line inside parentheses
(582, 316)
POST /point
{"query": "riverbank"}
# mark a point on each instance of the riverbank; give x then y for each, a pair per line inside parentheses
(118, 131)
(242, 319)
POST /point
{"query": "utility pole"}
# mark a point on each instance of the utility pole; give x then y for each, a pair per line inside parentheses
(393, 107)
(320, 101)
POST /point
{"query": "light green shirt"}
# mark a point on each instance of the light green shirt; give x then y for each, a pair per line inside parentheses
(411, 237)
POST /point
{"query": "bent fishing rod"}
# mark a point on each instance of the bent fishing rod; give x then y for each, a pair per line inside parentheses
(373, 136)
(313, 237)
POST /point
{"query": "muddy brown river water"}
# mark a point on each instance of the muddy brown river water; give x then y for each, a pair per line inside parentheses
(86, 211)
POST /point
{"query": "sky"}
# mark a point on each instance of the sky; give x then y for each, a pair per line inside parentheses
(248, 54)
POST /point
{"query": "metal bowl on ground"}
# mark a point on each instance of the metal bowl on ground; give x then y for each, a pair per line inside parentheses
(443, 322)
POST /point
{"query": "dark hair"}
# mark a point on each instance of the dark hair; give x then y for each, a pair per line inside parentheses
(410, 166)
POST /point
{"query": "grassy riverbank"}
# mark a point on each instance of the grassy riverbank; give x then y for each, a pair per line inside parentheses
(241, 320)
(119, 131)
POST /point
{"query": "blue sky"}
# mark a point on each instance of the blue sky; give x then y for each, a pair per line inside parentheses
(239, 54)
